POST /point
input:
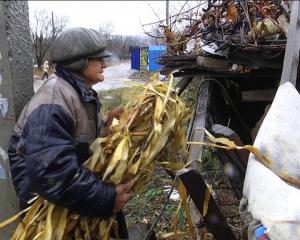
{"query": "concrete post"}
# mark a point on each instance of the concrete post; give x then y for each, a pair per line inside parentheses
(16, 88)
(291, 57)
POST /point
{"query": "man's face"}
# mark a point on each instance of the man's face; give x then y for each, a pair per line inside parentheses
(93, 73)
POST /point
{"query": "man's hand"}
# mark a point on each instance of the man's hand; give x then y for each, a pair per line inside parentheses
(115, 113)
(123, 195)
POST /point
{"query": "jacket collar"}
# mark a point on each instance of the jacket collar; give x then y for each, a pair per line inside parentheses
(87, 93)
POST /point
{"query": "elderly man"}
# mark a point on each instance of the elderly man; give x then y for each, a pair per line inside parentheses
(52, 135)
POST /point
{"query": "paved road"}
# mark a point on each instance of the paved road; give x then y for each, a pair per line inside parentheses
(115, 76)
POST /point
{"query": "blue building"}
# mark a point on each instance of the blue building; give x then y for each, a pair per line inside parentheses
(144, 57)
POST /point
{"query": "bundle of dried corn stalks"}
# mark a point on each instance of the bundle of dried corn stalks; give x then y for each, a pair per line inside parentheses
(227, 144)
(130, 151)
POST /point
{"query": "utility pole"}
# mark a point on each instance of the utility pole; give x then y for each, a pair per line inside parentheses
(167, 14)
(53, 26)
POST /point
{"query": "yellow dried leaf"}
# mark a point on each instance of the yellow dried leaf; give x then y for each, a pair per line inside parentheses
(14, 218)
(117, 156)
(206, 200)
(174, 166)
(60, 230)
(49, 228)
(183, 195)
(158, 109)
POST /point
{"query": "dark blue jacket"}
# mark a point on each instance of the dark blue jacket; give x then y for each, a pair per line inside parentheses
(51, 141)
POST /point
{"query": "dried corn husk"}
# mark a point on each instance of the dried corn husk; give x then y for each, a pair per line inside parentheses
(227, 144)
(130, 151)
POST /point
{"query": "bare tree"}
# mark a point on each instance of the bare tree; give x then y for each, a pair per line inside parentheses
(106, 30)
(119, 45)
(180, 28)
(44, 28)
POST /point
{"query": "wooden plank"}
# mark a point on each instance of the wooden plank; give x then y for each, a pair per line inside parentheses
(165, 58)
(195, 151)
(217, 65)
(291, 57)
(261, 95)
(261, 73)
(254, 59)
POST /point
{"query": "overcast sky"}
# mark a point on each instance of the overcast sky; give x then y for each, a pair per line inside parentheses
(125, 16)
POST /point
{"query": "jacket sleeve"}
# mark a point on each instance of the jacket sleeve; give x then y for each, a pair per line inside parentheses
(53, 168)
(17, 166)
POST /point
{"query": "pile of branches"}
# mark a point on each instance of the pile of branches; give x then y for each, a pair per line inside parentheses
(247, 25)
(257, 25)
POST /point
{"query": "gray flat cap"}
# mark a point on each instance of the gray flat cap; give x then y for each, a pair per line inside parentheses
(78, 43)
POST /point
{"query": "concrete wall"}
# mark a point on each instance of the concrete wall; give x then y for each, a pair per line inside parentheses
(15, 90)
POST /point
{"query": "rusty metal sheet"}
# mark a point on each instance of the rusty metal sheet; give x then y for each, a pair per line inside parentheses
(214, 219)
